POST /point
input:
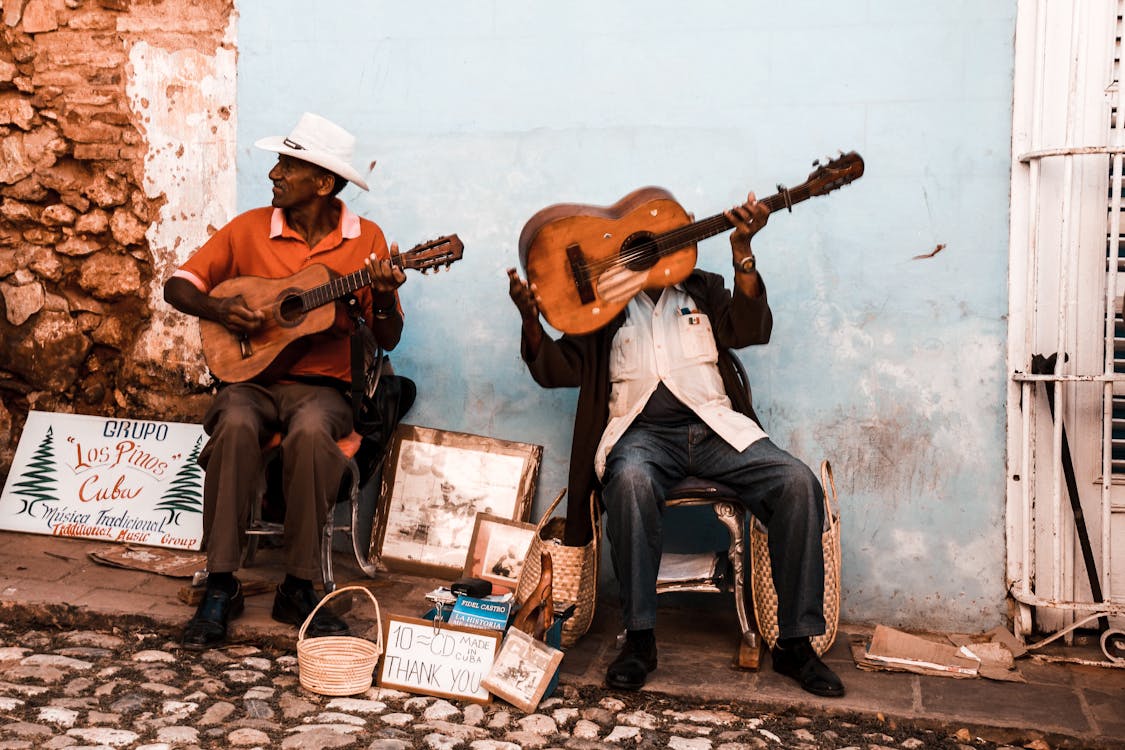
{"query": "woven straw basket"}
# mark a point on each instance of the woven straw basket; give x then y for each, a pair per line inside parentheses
(761, 574)
(338, 664)
(574, 570)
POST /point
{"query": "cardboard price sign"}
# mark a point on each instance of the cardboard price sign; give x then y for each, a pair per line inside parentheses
(437, 659)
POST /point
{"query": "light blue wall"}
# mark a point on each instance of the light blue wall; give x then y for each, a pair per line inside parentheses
(479, 114)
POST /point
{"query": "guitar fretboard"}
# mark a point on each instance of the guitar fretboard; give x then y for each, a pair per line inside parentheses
(670, 242)
(335, 289)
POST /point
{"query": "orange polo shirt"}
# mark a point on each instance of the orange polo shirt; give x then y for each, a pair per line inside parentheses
(260, 243)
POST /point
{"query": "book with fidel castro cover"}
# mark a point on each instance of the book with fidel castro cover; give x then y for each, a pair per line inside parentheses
(489, 612)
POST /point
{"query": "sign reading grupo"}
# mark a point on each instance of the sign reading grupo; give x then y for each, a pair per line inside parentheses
(117, 480)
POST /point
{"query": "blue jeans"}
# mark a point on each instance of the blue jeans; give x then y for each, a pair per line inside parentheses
(781, 491)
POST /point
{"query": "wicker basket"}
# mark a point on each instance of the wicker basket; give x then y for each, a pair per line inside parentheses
(574, 570)
(338, 664)
(761, 573)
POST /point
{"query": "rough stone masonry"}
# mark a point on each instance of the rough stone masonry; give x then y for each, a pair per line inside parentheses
(79, 271)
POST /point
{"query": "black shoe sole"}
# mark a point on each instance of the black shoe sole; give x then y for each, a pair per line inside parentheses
(619, 684)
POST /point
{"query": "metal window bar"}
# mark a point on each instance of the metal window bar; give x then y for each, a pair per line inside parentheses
(1028, 589)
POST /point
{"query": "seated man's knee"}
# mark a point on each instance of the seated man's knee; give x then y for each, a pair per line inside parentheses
(802, 490)
(236, 425)
(306, 437)
(630, 476)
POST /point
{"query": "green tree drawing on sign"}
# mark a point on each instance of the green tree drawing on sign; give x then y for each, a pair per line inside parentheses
(185, 492)
(38, 483)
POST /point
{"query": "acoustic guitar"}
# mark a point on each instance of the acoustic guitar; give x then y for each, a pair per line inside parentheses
(587, 262)
(297, 306)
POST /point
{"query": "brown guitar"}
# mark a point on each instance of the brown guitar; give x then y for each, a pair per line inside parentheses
(587, 262)
(297, 306)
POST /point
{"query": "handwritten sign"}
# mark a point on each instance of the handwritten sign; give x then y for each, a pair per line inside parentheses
(447, 661)
(116, 480)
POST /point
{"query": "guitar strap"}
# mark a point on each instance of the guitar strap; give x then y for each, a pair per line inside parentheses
(363, 350)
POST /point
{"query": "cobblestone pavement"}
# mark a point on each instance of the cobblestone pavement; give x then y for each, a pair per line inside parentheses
(105, 689)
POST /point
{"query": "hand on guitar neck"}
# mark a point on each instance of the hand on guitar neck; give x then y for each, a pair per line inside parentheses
(748, 219)
(386, 278)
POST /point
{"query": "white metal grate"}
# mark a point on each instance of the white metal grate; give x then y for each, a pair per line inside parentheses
(1067, 337)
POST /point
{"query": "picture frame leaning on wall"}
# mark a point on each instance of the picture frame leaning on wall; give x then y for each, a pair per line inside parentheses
(497, 551)
(434, 484)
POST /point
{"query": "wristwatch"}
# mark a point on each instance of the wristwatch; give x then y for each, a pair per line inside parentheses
(746, 265)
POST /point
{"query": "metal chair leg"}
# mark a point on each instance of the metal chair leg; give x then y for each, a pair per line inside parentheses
(750, 648)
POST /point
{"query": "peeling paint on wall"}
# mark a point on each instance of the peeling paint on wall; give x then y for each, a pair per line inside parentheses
(184, 99)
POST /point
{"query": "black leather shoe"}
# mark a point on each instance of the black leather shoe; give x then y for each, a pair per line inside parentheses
(631, 667)
(208, 628)
(799, 661)
(293, 607)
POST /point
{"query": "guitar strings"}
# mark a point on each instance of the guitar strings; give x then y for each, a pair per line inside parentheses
(662, 244)
(686, 235)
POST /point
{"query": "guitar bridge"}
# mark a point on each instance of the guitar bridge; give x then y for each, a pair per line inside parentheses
(244, 347)
(580, 274)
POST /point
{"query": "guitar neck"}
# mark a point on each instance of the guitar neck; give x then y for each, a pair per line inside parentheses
(425, 257)
(690, 234)
(341, 286)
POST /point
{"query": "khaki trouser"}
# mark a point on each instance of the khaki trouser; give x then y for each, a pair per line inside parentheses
(244, 417)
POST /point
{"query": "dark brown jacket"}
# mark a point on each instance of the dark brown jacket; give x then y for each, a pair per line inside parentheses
(583, 362)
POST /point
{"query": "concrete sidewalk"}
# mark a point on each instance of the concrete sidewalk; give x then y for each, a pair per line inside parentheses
(1063, 703)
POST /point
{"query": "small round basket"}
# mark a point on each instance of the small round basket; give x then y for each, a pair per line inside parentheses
(338, 664)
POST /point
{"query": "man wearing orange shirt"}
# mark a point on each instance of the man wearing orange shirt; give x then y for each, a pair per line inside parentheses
(307, 224)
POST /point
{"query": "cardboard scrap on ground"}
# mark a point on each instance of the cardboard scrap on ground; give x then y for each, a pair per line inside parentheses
(174, 564)
(964, 657)
(160, 560)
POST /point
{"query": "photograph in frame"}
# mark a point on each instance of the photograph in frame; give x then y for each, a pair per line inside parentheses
(434, 484)
(497, 551)
(522, 670)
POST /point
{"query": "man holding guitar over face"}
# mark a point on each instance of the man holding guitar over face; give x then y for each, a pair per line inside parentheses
(303, 396)
(659, 400)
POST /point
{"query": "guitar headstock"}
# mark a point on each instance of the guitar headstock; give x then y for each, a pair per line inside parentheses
(835, 174)
(435, 254)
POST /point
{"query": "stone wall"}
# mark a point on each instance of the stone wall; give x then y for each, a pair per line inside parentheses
(80, 270)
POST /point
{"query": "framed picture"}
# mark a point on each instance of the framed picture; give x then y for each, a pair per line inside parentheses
(434, 484)
(497, 551)
(522, 670)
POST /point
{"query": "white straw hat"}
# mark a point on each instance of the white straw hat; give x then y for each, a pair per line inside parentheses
(318, 141)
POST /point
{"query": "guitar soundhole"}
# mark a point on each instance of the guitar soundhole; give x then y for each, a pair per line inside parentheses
(290, 311)
(639, 251)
